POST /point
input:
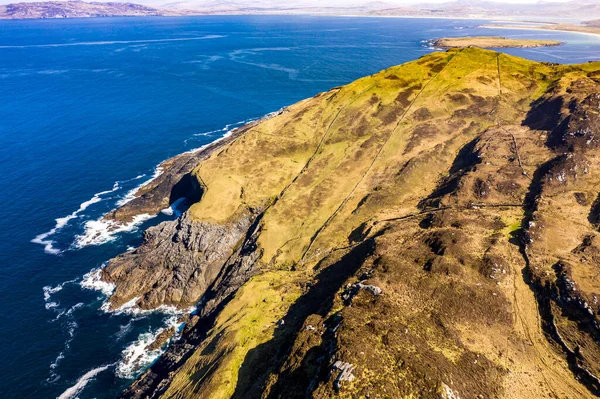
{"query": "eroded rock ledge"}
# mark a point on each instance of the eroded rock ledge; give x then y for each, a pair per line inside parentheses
(177, 261)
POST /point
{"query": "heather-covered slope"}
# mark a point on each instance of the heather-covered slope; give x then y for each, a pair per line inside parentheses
(427, 231)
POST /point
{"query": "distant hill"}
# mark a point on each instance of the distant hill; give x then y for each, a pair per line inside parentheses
(486, 9)
(546, 11)
(78, 9)
(549, 11)
(595, 23)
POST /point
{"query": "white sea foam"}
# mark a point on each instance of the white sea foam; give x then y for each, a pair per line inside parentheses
(136, 357)
(131, 193)
(71, 326)
(67, 312)
(74, 308)
(52, 71)
(42, 239)
(124, 329)
(173, 209)
(100, 231)
(48, 290)
(53, 305)
(73, 391)
(128, 307)
(131, 308)
(228, 131)
(60, 357)
(54, 376)
(97, 232)
(93, 281)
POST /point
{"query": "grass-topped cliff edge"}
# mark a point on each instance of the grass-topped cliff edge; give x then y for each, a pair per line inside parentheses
(429, 231)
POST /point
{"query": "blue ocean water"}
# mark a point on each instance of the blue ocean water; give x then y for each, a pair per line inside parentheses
(88, 108)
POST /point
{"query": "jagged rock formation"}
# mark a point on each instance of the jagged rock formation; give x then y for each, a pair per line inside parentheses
(427, 231)
(178, 260)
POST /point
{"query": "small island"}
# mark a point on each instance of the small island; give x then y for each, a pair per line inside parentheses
(491, 42)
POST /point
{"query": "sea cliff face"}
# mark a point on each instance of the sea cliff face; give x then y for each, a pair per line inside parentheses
(427, 231)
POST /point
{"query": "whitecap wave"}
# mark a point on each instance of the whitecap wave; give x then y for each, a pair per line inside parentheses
(42, 239)
(93, 281)
(137, 356)
(73, 391)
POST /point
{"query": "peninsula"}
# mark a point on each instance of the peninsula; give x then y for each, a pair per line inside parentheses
(427, 231)
(491, 42)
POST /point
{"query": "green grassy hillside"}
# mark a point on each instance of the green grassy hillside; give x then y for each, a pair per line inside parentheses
(424, 232)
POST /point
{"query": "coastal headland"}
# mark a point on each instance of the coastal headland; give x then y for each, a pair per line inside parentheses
(429, 228)
(491, 42)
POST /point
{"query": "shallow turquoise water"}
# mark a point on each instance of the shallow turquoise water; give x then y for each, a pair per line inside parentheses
(88, 108)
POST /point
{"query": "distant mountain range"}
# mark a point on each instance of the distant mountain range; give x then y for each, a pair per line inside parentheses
(546, 11)
(78, 9)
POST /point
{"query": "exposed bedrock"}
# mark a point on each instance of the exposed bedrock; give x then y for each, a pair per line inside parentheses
(176, 262)
(560, 224)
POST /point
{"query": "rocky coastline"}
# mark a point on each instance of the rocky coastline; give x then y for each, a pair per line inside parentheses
(435, 221)
(166, 270)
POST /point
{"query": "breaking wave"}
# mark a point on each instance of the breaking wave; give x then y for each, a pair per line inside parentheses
(42, 239)
(101, 231)
(138, 356)
(48, 244)
(93, 281)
